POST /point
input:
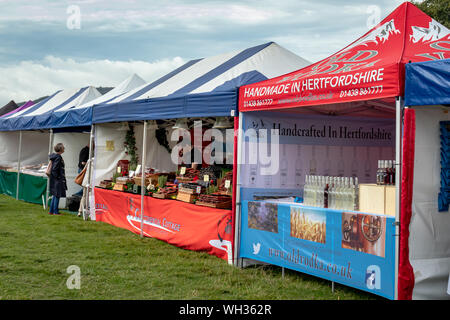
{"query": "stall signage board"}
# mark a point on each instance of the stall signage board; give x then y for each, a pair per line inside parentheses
(351, 248)
(310, 145)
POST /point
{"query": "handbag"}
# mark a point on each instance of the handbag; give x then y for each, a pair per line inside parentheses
(80, 177)
(48, 172)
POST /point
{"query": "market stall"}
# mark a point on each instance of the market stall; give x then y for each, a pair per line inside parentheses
(37, 128)
(427, 96)
(187, 206)
(324, 161)
(65, 117)
(10, 106)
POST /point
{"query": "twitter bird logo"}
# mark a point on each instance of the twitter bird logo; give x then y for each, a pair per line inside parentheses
(256, 248)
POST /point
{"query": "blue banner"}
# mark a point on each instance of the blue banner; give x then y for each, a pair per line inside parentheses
(351, 248)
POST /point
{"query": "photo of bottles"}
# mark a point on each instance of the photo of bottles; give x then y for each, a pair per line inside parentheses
(296, 161)
(364, 233)
(308, 224)
(263, 216)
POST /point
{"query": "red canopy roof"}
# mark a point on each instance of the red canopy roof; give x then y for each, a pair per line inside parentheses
(372, 67)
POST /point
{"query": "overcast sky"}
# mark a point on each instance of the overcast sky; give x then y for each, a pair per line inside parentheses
(49, 45)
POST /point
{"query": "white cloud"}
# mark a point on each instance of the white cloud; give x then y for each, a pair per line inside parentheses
(30, 80)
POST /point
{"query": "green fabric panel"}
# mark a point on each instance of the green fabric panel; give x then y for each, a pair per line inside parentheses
(8, 183)
(31, 187)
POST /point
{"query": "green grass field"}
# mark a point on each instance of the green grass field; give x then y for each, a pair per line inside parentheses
(36, 249)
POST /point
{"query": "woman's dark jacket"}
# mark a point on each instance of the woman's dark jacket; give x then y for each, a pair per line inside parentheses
(58, 184)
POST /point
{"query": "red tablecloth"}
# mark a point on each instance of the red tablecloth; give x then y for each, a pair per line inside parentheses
(182, 224)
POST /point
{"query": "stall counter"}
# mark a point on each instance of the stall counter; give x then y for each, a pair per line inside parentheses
(182, 224)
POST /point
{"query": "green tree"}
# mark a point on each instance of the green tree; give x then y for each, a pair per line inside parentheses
(439, 10)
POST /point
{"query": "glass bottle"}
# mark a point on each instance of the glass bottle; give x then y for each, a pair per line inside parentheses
(325, 192)
(355, 195)
(306, 190)
(332, 193)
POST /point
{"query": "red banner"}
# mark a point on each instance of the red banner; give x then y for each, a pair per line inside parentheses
(371, 67)
(184, 225)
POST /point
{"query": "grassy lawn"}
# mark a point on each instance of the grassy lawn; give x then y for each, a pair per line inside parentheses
(36, 249)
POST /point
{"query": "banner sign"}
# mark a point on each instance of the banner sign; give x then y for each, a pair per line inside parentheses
(369, 68)
(351, 248)
(184, 225)
(310, 145)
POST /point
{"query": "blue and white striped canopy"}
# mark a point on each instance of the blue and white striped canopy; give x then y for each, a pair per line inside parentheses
(200, 88)
(65, 108)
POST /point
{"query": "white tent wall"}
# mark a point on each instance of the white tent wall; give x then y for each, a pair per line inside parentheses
(106, 160)
(73, 143)
(429, 240)
(157, 156)
(34, 148)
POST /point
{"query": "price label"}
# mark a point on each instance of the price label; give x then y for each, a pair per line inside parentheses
(227, 184)
(206, 178)
(199, 189)
(183, 170)
(119, 169)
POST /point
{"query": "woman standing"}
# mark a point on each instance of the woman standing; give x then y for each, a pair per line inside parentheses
(58, 184)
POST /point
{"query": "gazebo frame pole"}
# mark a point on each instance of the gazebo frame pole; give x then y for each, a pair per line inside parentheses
(19, 156)
(50, 143)
(399, 105)
(237, 223)
(143, 161)
(89, 173)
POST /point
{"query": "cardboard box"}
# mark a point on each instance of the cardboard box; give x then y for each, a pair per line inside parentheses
(379, 199)
(371, 198)
(389, 208)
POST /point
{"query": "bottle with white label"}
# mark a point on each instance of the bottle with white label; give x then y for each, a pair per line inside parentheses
(331, 192)
(305, 190)
(298, 168)
(283, 168)
(355, 195)
(339, 194)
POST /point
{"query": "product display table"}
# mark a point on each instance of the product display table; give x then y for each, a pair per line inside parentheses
(32, 187)
(182, 224)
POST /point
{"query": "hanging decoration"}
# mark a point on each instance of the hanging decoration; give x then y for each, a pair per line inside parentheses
(131, 149)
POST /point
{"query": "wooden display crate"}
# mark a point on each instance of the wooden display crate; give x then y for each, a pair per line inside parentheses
(138, 181)
(186, 197)
(119, 187)
(379, 199)
(220, 205)
(162, 195)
